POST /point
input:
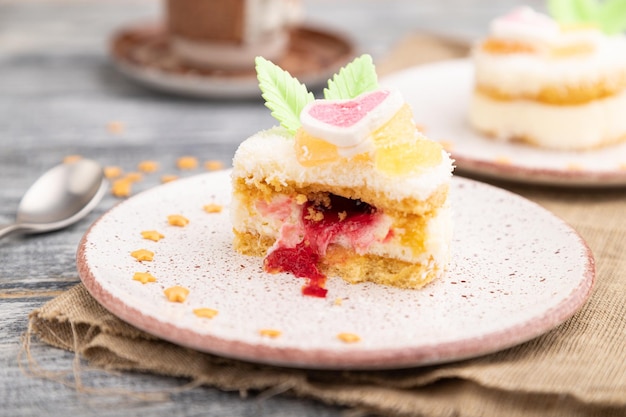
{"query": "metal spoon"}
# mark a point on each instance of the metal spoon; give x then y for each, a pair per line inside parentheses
(60, 197)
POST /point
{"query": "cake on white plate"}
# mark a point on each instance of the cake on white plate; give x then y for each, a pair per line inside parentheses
(345, 187)
(557, 84)
(229, 34)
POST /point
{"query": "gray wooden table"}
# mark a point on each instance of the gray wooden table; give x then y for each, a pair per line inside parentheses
(58, 95)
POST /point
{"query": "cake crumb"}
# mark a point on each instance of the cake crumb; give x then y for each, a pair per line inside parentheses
(115, 127)
(213, 165)
(212, 208)
(142, 255)
(168, 178)
(271, 333)
(204, 312)
(121, 187)
(301, 199)
(112, 171)
(342, 215)
(177, 220)
(338, 301)
(176, 294)
(314, 215)
(348, 337)
(574, 166)
(148, 166)
(144, 277)
(420, 127)
(187, 162)
(152, 235)
(70, 159)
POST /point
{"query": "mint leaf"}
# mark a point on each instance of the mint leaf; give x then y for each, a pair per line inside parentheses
(612, 16)
(573, 11)
(356, 78)
(284, 95)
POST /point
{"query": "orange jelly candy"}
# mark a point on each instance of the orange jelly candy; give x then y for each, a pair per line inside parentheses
(312, 151)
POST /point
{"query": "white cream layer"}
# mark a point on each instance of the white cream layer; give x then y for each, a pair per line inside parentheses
(527, 74)
(270, 155)
(557, 127)
(437, 243)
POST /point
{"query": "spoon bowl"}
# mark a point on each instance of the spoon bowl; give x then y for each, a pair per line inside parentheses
(60, 197)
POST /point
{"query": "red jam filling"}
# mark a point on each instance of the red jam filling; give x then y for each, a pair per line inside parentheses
(322, 225)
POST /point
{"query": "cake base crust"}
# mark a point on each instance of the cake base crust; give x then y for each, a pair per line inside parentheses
(352, 267)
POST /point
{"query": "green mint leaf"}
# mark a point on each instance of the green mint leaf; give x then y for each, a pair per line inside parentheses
(356, 78)
(573, 11)
(611, 16)
(284, 95)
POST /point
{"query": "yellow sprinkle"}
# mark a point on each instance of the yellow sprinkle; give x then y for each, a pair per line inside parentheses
(207, 313)
(271, 333)
(121, 187)
(177, 220)
(148, 166)
(70, 159)
(348, 337)
(142, 255)
(144, 277)
(338, 301)
(168, 178)
(213, 165)
(115, 127)
(133, 177)
(187, 162)
(212, 208)
(112, 172)
(176, 294)
(152, 235)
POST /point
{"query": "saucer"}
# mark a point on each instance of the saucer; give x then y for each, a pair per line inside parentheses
(142, 52)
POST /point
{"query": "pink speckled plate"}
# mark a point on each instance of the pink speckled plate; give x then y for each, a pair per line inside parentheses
(440, 93)
(517, 271)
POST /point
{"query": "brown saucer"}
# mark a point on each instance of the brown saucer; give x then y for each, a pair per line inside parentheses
(141, 51)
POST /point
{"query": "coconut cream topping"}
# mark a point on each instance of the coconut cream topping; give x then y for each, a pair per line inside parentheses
(525, 25)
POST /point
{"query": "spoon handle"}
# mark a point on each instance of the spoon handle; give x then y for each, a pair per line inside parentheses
(9, 228)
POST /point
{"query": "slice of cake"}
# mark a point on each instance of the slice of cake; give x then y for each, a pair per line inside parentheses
(558, 85)
(346, 186)
(229, 34)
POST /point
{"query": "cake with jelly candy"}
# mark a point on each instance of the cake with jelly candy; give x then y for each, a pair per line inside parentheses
(345, 187)
(557, 83)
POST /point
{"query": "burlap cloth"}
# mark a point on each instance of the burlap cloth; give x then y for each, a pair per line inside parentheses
(577, 369)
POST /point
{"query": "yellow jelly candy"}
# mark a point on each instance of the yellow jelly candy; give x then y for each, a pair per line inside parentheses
(400, 149)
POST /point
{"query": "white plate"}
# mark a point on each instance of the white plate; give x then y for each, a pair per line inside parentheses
(439, 94)
(516, 272)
